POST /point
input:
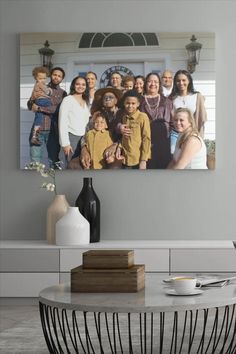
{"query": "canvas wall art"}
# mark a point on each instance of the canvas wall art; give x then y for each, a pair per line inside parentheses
(118, 100)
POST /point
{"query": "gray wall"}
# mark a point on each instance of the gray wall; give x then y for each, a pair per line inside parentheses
(135, 205)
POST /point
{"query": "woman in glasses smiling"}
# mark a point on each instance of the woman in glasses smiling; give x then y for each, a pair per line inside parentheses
(158, 108)
(106, 100)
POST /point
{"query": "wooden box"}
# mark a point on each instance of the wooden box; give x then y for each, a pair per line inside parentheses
(108, 259)
(108, 280)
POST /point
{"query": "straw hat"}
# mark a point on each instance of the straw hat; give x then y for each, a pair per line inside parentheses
(100, 93)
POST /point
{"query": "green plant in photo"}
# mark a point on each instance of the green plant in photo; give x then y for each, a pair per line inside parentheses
(211, 147)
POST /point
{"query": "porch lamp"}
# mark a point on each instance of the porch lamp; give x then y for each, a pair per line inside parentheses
(46, 54)
(193, 50)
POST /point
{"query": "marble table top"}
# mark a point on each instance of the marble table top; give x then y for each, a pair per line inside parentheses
(152, 298)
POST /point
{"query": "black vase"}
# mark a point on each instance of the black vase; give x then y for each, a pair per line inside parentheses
(89, 206)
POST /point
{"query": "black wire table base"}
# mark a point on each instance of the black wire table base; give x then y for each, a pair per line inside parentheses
(198, 331)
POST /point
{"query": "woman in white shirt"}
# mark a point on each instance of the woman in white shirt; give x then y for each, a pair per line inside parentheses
(190, 151)
(184, 95)
(73, 116)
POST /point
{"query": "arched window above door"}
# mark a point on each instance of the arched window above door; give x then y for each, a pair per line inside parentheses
(117, 39)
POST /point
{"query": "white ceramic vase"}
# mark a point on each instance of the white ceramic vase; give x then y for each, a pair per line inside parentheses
(55, 211)
(72, 229)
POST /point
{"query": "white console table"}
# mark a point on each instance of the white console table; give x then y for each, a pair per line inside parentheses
(26, 267)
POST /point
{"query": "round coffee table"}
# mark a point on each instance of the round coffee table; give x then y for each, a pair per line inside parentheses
(149, 321)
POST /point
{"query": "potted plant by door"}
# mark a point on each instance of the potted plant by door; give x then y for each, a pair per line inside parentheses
(211, 147)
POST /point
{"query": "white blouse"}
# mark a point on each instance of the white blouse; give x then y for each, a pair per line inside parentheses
(199, 160)
(189, 101)
(73, 119)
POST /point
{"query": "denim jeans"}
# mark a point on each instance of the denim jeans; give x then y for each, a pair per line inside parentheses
(36, 151)
(173, 139)
(38, 117)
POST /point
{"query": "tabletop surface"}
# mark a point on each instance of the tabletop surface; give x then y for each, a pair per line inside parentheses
(152, 298)
(123, 244)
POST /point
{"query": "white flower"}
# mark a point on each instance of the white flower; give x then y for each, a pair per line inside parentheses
(39, 167)
(43, 173)
(50, 187)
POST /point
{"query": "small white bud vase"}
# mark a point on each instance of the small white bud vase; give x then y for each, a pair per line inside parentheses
(55, 211)
(72, 229)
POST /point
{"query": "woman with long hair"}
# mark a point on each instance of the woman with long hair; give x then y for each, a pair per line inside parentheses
(190, 150)
(158, 108)
(91, 78)
(184, 95)
(73, 116)
(139, 84)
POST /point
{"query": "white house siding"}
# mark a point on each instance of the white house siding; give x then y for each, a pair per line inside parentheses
(170, 54)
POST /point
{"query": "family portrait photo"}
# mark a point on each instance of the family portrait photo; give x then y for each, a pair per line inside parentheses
(118, 100)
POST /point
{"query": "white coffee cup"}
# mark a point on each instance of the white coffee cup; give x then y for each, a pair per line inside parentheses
(184, 285)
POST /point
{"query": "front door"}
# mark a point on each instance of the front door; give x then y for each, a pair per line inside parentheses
(104, 70)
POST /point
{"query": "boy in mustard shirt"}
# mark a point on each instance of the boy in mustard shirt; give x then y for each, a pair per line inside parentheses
(136, 134)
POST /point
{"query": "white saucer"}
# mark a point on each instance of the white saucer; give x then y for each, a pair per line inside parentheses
(173, 292)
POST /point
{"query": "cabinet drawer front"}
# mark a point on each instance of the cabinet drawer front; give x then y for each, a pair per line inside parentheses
(26, 284)
(71, 258)
(29, 260)
(65, 278)
(203, 260)
(155, 260)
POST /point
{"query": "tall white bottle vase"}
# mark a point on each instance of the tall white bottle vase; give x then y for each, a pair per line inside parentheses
(72, 229)
(55, 211)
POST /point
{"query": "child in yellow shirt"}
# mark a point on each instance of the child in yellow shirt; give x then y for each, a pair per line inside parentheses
(97, 141)
(136, 134)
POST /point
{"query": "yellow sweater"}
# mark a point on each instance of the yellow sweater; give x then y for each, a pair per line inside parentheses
(97, 142)
(137, 147)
